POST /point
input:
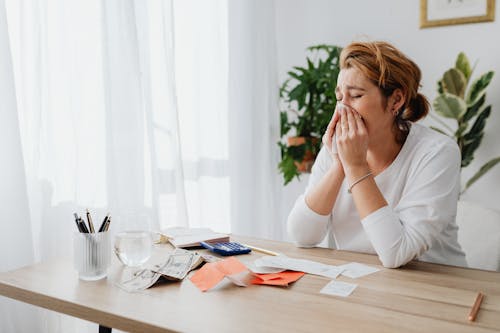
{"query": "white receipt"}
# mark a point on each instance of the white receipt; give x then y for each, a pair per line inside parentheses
(263, 269)
(355, 270)
(300, 265)
(338, 288)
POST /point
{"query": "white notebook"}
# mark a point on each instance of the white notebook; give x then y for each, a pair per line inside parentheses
(191, 237)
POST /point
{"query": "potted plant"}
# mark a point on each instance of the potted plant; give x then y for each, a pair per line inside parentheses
(309, 96)
(465, 104)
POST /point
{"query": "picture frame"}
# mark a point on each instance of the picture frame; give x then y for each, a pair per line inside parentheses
(434, 13)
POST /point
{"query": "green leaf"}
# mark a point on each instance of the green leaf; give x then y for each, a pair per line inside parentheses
(299, 94)
(283, 148)
(440, 87)
(472, 110)
(484, 169)
(454, 82)
(473, 138)
(449, 106)
(478, 87)
(479, 124)
(283, 89)
(295, 76)
(284, 124)
(288, 168)
(439, 130)
(310, 64)
(463, 65)
(469, 149)
(461, 129)
(299, 69)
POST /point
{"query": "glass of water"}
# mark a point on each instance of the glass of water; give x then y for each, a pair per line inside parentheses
(133, 248)
(133, 244)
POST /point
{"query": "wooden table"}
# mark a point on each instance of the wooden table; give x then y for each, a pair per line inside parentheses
(419, 297)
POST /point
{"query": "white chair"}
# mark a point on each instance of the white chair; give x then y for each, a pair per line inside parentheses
(479, 235)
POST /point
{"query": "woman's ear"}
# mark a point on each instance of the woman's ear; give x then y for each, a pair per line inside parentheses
(397, 100)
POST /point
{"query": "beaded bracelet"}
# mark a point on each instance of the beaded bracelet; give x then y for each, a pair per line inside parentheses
(358, 180)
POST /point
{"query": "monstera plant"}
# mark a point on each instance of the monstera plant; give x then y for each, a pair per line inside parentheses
(464, 102)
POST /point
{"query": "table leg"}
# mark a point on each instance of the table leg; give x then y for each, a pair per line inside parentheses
(104, 329)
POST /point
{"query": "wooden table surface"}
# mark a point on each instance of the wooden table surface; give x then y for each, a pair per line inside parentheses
(419, 297)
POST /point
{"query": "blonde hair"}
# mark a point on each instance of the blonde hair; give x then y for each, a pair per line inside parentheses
(389, 69)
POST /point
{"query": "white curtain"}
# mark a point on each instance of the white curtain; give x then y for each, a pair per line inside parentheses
(16, 244)
(253, 116)
(164, 109)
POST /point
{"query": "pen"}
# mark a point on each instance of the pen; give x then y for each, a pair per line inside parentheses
(475, 308)
(258, 249)
(77, 222)
(108, 222)
(89, 220)
(83, 227)
(103, 224)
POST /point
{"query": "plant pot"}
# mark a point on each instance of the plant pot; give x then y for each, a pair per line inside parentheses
(307, 162)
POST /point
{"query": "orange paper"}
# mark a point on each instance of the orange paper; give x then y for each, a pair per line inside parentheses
(277, 279)
(230, 266)
(212, 273)
(207, 277)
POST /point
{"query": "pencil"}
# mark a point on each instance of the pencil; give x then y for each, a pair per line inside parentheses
(258, 249)
(89, 220)
(475, 307)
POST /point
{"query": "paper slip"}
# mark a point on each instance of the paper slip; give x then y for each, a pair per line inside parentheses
(190, 237)
(300, 265)
(338, 288)
(212, 273)
(355, 270)
(241, 279)
(277, 279)
(264, 270)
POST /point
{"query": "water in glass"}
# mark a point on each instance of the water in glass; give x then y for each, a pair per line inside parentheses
(133, 248)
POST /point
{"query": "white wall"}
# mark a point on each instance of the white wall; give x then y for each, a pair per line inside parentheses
(301, 23)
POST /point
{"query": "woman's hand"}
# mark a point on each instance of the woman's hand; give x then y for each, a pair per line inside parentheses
(352, 139)
(329, 140)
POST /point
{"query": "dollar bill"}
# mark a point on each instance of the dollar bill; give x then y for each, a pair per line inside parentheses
(173, 265)
(177, 265)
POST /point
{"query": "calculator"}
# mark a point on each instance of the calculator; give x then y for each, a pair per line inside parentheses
(226, 248)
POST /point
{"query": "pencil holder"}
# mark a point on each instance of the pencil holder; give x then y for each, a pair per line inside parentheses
(92, 255)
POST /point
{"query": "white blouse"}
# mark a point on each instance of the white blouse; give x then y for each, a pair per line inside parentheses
(421, 187)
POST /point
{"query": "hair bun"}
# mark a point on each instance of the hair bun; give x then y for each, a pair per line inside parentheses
(417, 109)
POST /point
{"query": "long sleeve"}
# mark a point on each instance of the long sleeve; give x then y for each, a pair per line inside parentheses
(427, 206)
(306, 227)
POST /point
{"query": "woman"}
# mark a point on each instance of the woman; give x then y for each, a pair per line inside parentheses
(382, 184)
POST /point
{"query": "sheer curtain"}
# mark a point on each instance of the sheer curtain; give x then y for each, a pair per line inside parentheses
(253, 116)
(15, 230)
(165, 109)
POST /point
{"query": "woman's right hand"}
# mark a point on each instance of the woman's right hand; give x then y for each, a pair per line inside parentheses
(329, 140)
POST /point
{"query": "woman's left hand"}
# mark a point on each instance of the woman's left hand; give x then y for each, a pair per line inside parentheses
(352, 139)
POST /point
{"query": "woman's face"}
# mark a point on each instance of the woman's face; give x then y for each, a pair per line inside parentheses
(355, 90)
